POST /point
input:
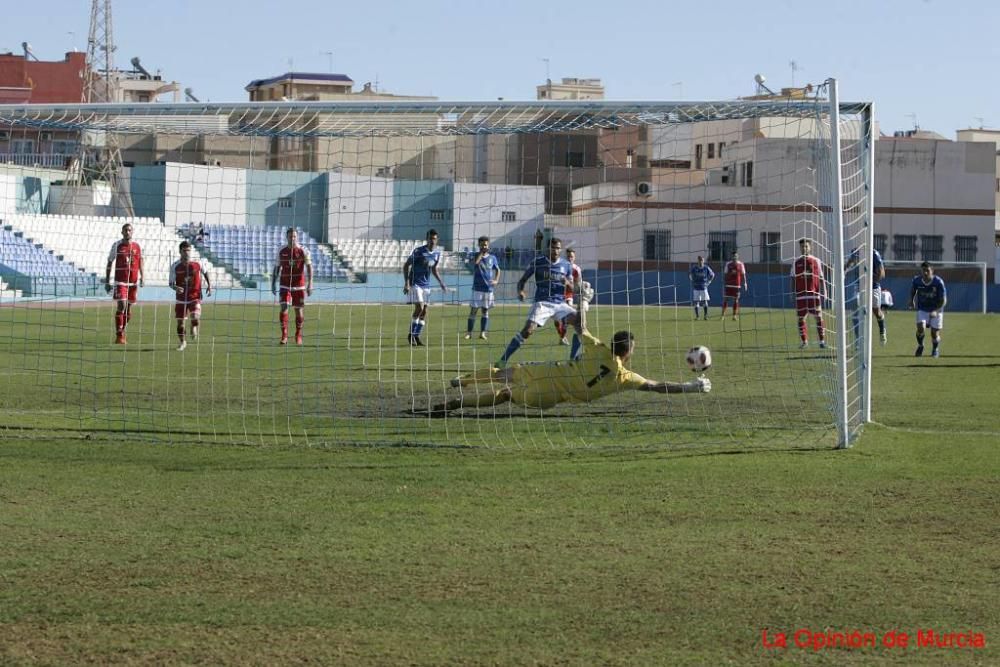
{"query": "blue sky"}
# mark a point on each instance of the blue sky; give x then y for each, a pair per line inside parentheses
(933, 59)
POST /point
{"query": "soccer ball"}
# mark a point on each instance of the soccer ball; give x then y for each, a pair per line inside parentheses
(699, 359)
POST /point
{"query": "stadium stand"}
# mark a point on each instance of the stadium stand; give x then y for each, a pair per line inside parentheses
(250, 251)
(28, 267)
(85, 241)
(386, 255)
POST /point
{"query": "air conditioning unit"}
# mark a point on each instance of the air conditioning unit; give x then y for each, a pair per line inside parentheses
(644, 189)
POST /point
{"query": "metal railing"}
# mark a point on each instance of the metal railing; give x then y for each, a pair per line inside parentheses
(51, 160)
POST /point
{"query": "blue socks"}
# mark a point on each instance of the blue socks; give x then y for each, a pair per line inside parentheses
(574, 351)
(512, 347)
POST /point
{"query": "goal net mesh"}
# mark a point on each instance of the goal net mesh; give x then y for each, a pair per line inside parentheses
(638, 190)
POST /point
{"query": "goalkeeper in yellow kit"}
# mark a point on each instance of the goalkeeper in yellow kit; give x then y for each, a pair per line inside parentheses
(599, 372)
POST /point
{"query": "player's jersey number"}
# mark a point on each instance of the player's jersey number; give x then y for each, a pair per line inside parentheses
(605, 371)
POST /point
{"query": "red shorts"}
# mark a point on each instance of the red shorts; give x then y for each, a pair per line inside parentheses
(731, 292)
(182, 310)
(125, 293)
(806, 305)
(296, 297)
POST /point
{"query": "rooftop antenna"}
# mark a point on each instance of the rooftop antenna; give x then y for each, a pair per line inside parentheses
(679, 85)
(189, 95)
(72, 40)
(761, 88)
(329, 55)
(980, 119)
(794, 66)
(913, 117)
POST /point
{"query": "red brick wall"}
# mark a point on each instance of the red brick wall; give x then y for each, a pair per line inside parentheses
(49, 82)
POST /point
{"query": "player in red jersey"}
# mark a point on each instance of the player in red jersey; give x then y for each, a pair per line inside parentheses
(126, 259)
(734, 279)
(293, 269)
(575, 277)
(810, 291)
(186, 278)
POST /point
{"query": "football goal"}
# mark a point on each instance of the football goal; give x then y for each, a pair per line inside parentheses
(390, 272)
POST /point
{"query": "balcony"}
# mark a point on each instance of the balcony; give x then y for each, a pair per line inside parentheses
(49, 160)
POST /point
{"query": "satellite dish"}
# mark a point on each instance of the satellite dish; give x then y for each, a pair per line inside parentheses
(759, 78)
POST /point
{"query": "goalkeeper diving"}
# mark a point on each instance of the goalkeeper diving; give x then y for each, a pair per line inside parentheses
(600, 371)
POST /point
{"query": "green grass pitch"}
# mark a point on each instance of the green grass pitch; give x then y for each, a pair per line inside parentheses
(355, 379)
(160, 508)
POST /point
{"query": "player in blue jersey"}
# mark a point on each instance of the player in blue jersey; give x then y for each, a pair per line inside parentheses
(552, 275)
(878, 275)
(853, 286)
(929, 296)
(701, 276)
(417, 271)
(485, 276)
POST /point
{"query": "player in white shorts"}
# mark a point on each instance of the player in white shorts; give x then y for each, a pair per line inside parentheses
(422, 263)
(485, 276)
(929, 296)
(701, 276)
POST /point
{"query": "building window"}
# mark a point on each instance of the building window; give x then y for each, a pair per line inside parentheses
(965, 248)
(574, 159)
(628, 158)
(711, 151)
(770, 247)
(746, 174)
(284, 202)
(721, 245)
(64, 147)
(697, 156)
(904, 247)
(931, 248)
(508, 216)
(881, 243)
(437, 214)
(656, 244)
(722, 145)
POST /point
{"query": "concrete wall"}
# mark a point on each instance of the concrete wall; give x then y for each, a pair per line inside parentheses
(26, 189)
(991, 137)
(479, 211)
(939, 188)
(359, 207)
(413, 203)
(304, 191)
(212, 195)
(148, 186)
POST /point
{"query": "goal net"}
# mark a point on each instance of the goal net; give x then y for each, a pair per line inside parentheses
(639, 191)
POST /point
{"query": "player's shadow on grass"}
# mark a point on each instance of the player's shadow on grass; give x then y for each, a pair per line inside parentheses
(933, 363)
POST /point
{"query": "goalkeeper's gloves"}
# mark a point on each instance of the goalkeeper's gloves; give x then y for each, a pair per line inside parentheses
(586, 292)
(700, 385)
